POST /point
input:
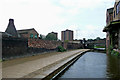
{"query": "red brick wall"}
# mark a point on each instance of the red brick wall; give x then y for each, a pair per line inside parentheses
(38, 43)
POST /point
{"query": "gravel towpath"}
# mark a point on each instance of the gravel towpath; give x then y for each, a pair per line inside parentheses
(18, 68)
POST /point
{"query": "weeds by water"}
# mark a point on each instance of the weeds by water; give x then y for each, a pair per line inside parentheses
(0, 60)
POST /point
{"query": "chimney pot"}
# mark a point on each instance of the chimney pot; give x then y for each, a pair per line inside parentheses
(11, 20)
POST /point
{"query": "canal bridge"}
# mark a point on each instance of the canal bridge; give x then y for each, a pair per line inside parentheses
(95, 44)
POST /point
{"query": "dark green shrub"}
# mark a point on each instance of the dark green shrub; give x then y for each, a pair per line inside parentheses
(110, 49)
(115, 53)
(61, 49)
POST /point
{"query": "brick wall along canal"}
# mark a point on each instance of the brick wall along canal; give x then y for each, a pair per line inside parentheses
(94, 65)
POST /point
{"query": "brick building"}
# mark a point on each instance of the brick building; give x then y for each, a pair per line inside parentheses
(67, 35)
(109, 19)
(109, 15)
(112, 28)
(25, 33)
(116, 11)
(28, 33)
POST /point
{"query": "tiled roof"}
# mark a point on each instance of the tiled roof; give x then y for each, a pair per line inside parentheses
(26, 30)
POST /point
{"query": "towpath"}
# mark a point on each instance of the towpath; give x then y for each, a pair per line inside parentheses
(20, 68)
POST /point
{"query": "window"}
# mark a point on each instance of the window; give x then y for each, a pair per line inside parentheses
(31, 35)
(69, 35)
(114, 14)
(118, 8)
(64, 35)
(36, 36)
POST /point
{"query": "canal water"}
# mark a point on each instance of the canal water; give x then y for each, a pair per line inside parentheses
(94, 65)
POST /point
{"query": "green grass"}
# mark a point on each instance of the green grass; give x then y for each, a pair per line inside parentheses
(115, 22)
(99, 47)
(0, 60)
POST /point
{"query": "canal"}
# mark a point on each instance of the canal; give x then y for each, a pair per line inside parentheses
(94, 65)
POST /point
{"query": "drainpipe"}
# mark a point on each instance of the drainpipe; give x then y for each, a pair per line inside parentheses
(119, 39)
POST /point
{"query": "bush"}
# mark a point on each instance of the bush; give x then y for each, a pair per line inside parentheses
(110, 49)
(66, 41)
(115, 53)
(0, 60)
(61, 49)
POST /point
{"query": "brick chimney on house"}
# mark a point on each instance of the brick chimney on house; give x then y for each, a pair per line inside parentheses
(11, 28)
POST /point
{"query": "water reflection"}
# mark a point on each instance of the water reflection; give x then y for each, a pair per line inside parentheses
(113, 66)
(94, 65)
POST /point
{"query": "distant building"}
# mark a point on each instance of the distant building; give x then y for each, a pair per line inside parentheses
(76, 41)
(11, 30)
(28, 33)
(67, 35)
(100, 43)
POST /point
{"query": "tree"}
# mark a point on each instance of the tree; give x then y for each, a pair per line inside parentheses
(66, 41)
(42, 36)
(51, 36)
(98, 38)
(90, 39)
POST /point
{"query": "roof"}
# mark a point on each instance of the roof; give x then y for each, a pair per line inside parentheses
(109, 26)
(4, 34)
(67, 30)
(26, 30)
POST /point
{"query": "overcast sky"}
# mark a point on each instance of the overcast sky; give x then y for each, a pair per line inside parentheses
(87, 18)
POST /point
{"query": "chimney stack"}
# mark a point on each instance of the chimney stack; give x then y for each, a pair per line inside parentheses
(11, 28)
(11, 20)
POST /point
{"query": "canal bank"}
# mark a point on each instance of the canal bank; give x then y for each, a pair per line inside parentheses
(102, 50)
(93, 65)
(37, 66)
(63, 66)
